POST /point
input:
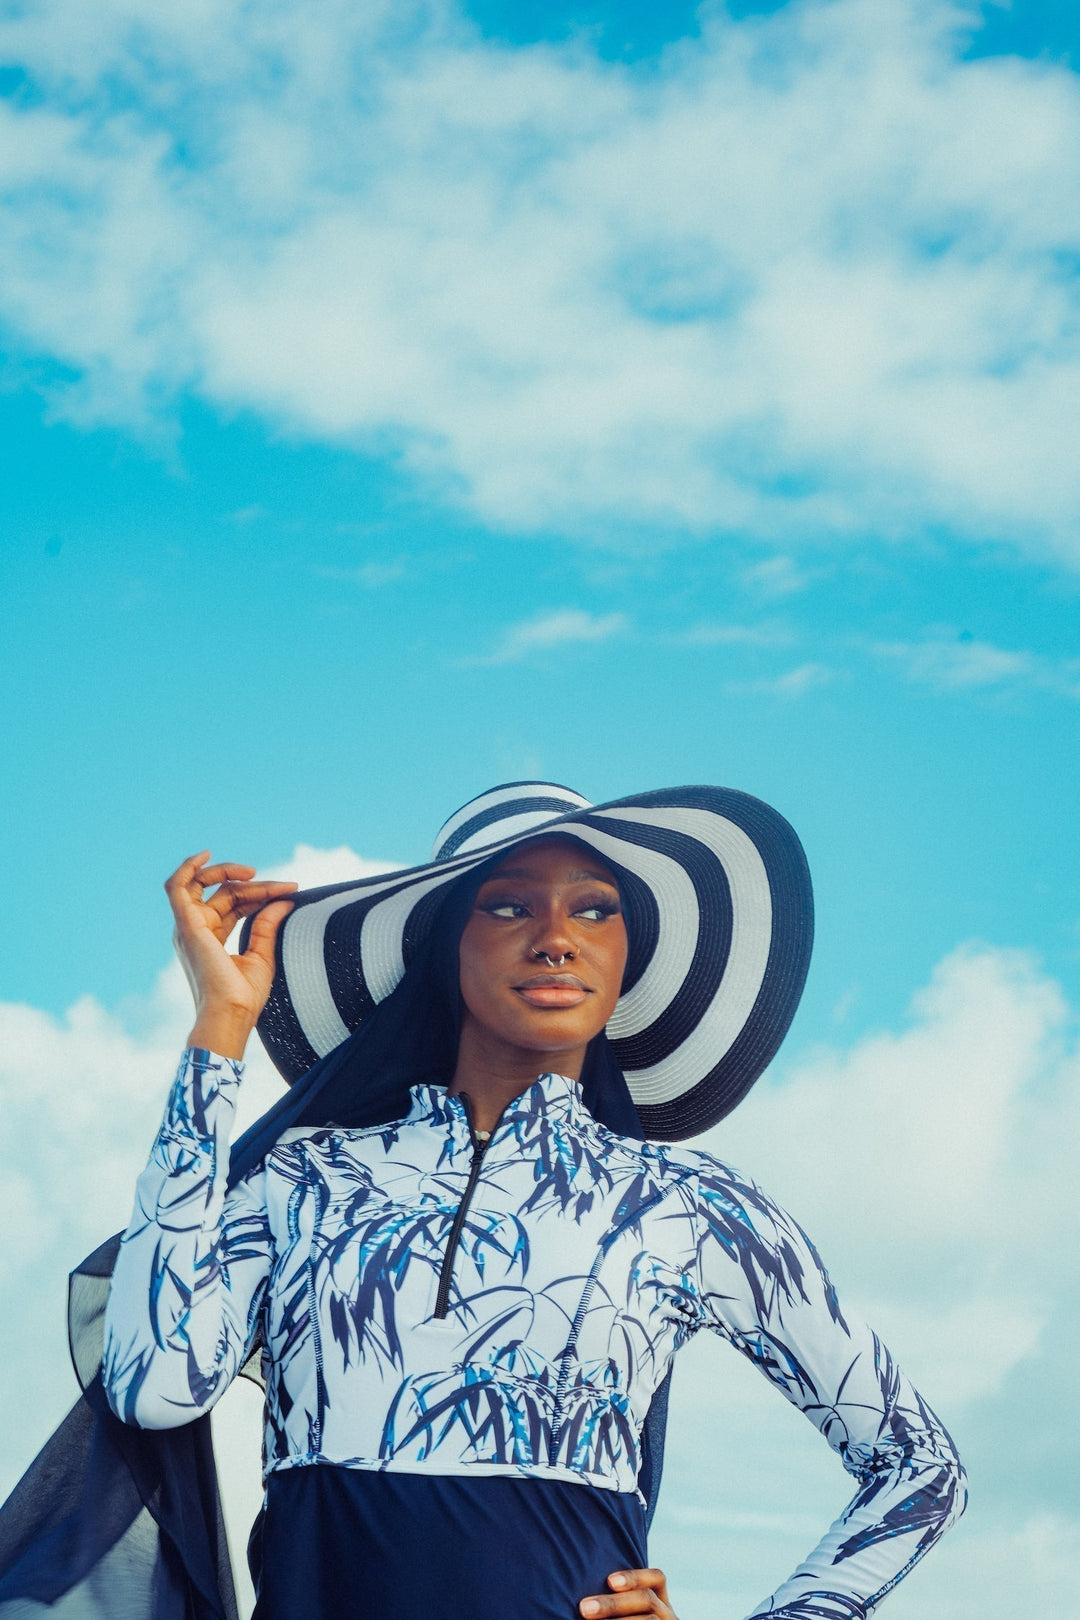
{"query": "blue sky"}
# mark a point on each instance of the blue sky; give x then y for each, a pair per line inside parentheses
(400, 400)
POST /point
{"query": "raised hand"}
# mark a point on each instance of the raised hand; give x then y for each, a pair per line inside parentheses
(633, 1591)
(230, 991)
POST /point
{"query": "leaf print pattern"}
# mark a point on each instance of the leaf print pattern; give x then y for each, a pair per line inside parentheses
(585, 1261)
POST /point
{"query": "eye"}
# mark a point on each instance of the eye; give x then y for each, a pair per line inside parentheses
(597, 910)
(511, 909)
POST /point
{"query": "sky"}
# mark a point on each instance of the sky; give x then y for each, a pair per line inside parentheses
(396, 400)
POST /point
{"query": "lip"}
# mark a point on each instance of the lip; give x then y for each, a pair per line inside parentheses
(553, 990)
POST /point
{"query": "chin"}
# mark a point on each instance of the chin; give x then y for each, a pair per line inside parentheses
(554, 1046)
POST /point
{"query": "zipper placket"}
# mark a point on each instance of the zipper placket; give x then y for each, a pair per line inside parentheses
(480, 1140)
(321, 1399)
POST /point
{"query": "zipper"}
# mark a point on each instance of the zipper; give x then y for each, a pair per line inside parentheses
(480, 1140)
(322, 1402)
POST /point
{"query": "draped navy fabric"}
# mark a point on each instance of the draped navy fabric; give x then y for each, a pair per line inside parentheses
(117, 1523)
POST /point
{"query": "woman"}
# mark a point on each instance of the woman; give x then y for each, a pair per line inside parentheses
(467, 1272)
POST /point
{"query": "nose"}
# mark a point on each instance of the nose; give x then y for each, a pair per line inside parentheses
(552, 939)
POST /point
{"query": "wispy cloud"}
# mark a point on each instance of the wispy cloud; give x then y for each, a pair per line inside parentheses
(370, 576)
(732, 635)
(813, 275)
(778, 576)
(565, 627)
(791, 684)
(965, 664)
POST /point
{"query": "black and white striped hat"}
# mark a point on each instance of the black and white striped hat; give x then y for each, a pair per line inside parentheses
(719, 914)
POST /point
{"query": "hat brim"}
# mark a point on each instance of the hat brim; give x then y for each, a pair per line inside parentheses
(720, 920)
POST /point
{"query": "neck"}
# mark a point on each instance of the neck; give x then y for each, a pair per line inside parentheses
(492, 1073)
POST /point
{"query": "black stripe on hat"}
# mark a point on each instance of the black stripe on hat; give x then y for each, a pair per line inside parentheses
(345, 968)
(680, 1017)
(754, 1048)
(279, 1027)
(642, 920)
(502, 812)
(509, 792)
(288, 1048)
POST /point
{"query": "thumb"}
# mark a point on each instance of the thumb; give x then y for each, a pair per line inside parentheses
(264, 930)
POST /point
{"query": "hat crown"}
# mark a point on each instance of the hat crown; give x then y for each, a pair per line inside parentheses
(506, 811)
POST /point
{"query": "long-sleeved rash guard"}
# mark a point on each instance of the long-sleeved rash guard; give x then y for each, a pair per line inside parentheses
(429, 1303)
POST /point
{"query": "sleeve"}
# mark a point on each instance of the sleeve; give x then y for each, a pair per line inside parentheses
(764, 1288)
(193, 1264)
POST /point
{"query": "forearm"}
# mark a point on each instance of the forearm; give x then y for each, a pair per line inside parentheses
(188, 1275)
(765, 1289)
(893, 1520)
(223, 1031)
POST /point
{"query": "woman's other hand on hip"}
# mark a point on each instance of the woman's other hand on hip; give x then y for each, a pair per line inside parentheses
(633, 1591)
(230, 991)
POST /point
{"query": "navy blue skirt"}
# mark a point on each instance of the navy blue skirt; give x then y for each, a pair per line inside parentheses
(345, 1543)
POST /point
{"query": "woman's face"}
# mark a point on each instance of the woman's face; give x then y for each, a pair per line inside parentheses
(549, 898)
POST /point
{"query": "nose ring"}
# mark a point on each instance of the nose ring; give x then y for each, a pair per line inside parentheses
(542, 956)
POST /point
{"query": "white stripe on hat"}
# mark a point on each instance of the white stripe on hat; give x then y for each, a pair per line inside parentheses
(381, 958)
(507, 795)
(305, 972)
(496, 832)
(751, 938)
(304, 962)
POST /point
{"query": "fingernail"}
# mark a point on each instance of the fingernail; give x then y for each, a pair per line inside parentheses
(590, 1606)
(618, 1580)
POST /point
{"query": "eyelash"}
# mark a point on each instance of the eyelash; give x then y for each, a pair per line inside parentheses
(606, 908)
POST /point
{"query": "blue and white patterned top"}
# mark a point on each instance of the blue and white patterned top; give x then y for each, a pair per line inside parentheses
(585, 1260)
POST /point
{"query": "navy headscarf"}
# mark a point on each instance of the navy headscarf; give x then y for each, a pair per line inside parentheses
(127, 1522)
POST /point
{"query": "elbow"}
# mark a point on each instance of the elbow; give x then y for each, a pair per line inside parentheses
(959, 1488)
(943, 1493)
(941, 1462)
(136, 1400)
(150, 1411)
(145, 1409)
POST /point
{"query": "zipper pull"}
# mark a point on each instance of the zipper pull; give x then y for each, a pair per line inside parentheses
(480, 1139)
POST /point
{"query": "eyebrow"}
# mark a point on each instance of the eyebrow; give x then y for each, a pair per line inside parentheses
(523, 872)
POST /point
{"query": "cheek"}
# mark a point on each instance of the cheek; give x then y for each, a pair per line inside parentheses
(612, 965)
(478, 966)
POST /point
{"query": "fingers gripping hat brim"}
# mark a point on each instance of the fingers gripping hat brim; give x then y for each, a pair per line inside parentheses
(719, 916)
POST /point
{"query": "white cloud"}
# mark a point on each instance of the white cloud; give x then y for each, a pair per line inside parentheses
(564, 627)
(810, 276)
(958, 664)
(952, 1141)
(311, 867)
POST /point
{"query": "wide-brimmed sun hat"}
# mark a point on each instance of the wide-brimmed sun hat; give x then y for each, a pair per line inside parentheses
(719, 913)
